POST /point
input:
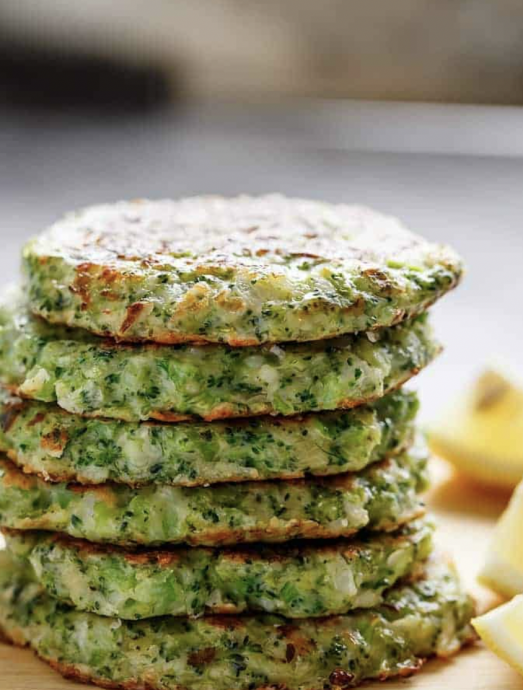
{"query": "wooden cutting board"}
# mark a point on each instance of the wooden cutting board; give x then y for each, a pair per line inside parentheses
(465, 516)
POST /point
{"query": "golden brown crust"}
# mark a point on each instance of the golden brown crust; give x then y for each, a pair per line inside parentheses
(13, 478)
(133, 313)
(9, 415)
(167, 417)
(37, 419)
(54, 442)
(305, 528)
(223, 411)
(123, 338)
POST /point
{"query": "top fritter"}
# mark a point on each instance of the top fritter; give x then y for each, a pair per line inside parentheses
(241, 271)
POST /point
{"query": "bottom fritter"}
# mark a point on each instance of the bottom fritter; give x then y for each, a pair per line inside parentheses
(427, 617)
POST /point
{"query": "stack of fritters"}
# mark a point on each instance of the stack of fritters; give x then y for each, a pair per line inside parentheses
(189, 386)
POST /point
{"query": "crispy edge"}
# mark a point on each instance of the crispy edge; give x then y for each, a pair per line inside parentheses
(81, 285)
(11, 411)
(295, 529)
(73, 477)
(165, 557)
(227, 410)
(16, 475)
(272, 531)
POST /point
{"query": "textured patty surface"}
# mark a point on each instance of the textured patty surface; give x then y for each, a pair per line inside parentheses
(243, 271)
(427, 617)
(88, 376)
(383, 496)
(297, 581)
(45, 440)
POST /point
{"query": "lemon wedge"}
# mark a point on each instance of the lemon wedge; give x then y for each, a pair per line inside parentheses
(481, 433)
(502, 631)
(503, 568)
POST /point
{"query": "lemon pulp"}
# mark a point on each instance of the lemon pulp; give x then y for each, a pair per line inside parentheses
(481, 433)
(502, 631)
(503, 568)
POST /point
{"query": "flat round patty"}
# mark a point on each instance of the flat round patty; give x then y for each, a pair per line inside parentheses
(297, 581)
(44, 439)
(88, 376)
(427, 617)
(383, 496)
(242, 271)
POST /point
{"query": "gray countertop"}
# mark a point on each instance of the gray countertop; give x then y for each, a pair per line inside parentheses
(385, 157)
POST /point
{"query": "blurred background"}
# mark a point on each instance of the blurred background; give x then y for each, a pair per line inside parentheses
(413, 107)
